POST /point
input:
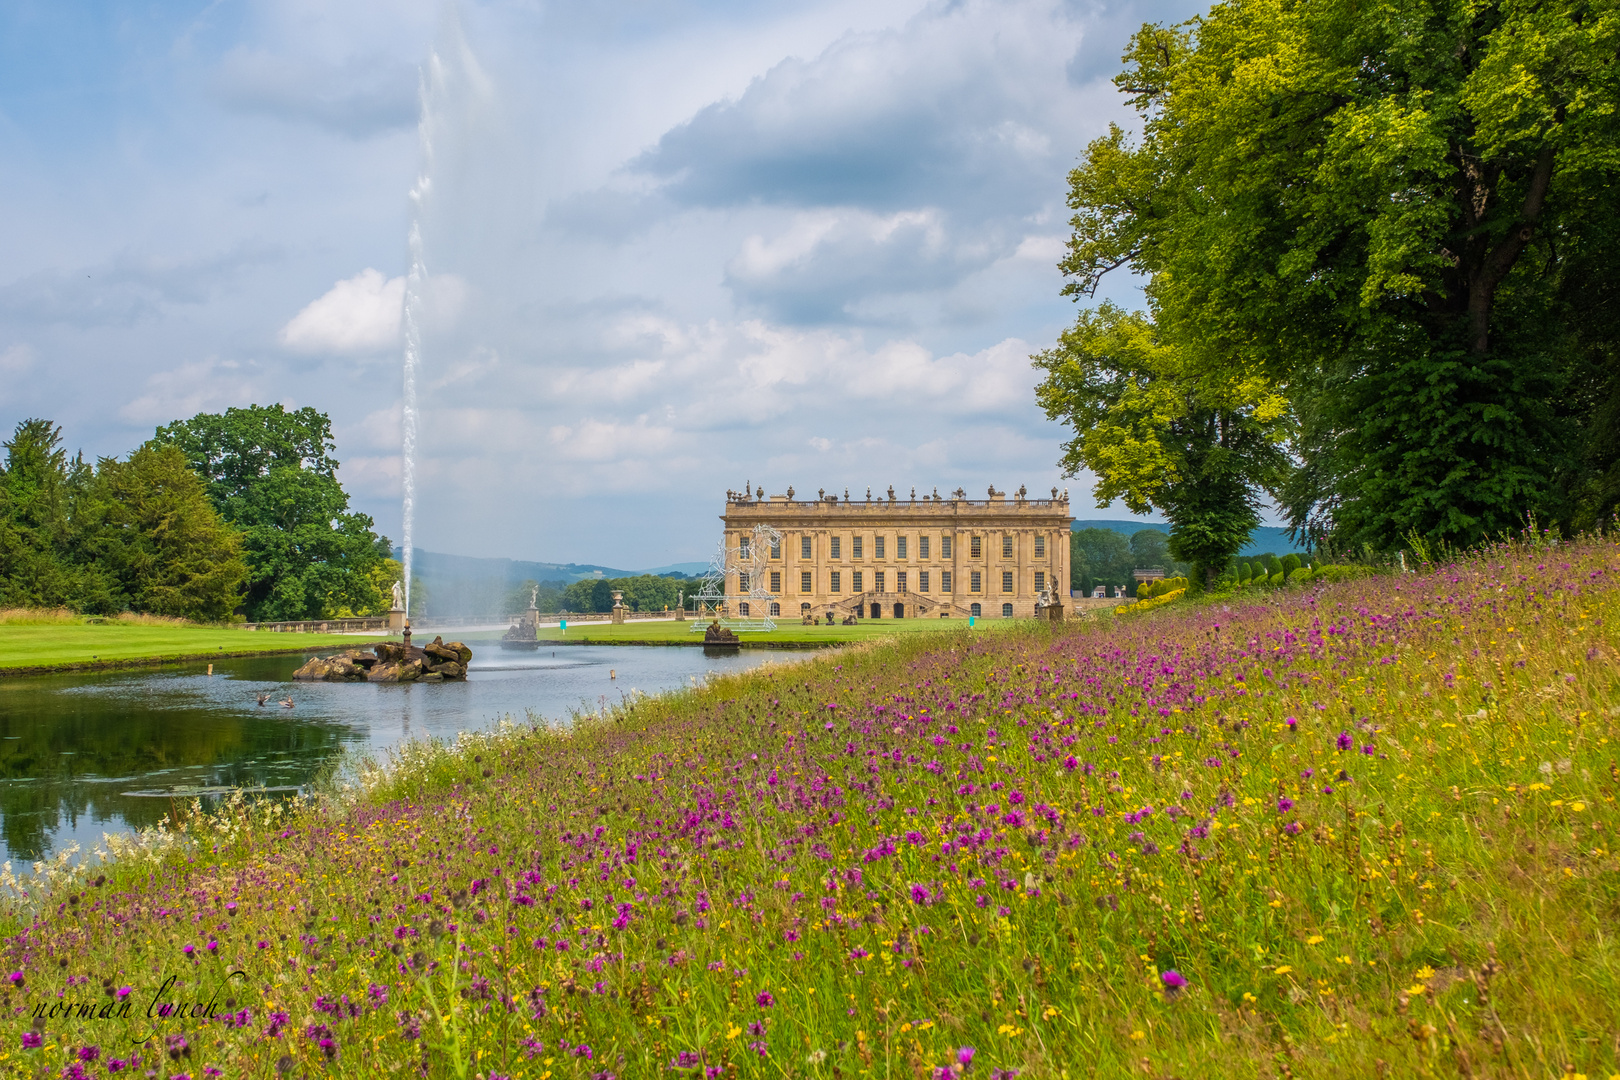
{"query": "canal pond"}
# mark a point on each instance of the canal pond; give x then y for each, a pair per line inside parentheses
(86, 754)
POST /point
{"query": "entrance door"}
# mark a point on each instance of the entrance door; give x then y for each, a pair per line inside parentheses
(899, 611)
(877, 611)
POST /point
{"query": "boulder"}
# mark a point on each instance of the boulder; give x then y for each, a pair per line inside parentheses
(390, 662)
(440, 652)
(315, 670)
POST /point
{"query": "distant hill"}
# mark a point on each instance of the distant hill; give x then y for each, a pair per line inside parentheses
(1272, 538)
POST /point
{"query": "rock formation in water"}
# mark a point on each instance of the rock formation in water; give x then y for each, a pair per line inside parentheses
(437, 661)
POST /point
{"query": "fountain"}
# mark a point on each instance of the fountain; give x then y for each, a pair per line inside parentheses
(524, 634)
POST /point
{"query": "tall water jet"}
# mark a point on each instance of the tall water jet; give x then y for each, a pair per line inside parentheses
(452, 131)
(413, 353)
(415, 289)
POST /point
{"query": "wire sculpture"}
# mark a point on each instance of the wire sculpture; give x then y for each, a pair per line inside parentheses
(750, 561)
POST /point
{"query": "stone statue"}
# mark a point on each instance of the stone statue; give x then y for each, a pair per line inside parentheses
(534, 597)
(399, 595)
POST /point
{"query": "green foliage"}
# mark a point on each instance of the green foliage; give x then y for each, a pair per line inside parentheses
(646, 592)
(1150, 589)
(271, 474)
(1108, 558)
(161, 539)
(547, 595)
(1405, 213)
(1290, 563)
(1166, 425)
(135, 535)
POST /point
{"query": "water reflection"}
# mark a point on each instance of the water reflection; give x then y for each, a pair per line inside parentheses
(91, 753)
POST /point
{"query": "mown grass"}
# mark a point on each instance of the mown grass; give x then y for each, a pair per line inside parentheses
(43, 644)
(1368, 825)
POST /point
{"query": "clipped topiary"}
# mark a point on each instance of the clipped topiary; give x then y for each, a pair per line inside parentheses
(1290, 563)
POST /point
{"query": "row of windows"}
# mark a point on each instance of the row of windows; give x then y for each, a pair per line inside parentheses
(857, 579)
(976, 610)
(857, 545)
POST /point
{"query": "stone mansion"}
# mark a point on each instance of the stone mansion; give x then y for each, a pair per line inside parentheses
(896, 557)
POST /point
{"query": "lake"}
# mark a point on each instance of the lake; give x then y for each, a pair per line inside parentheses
(85, 754)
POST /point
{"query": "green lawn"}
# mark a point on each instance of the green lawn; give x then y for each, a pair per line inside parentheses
(786, 633)
(42, 646)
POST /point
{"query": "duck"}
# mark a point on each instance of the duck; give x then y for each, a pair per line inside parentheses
(286, 703)
(262, 699)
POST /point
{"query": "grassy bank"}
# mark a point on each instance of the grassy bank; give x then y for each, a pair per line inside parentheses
(681, 633)
(1359, 831)
(31, 647)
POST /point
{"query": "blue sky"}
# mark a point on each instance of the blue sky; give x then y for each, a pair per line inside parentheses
(673, 246)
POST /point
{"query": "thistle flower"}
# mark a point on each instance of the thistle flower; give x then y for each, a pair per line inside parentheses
(1174, 982)
(1345, 741)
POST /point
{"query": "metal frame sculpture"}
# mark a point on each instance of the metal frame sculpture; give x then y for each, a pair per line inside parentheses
(751, 557)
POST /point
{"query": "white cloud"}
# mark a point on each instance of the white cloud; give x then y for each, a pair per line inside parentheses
(812, 246)
(202, 386)
(356, 316)
(17, 360)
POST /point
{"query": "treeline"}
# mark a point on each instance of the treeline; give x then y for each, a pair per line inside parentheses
(645, 592)
(232, 515)
(1383, 277)
(1109, 558)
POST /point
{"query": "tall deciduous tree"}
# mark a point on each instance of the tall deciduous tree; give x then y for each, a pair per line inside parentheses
(271, 473)
(1385, 206)
(1163, 426)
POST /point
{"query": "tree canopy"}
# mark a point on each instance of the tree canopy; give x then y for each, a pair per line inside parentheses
(271, 474)
(1161, 425)
(1401, 216)
(138, 534)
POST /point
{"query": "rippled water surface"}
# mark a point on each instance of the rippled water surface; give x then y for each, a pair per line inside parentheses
(85, 754)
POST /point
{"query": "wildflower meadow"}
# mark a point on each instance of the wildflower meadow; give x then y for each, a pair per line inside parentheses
(1332, 830)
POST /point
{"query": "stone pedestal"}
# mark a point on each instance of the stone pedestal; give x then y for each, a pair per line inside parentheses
(396, 620)
(617, 614)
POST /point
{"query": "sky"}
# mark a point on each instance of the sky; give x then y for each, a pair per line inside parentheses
(672, 246)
